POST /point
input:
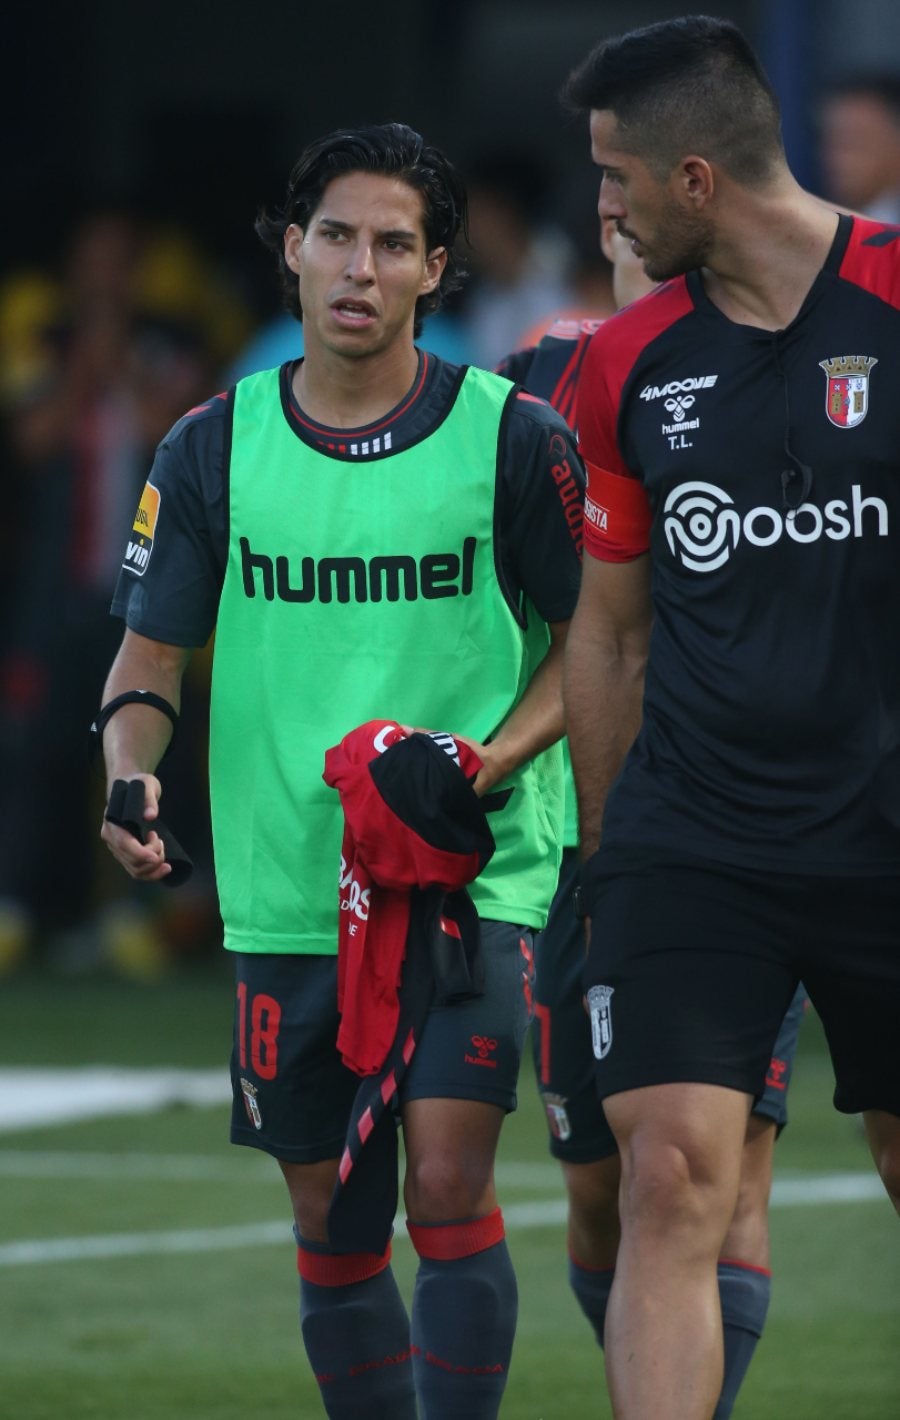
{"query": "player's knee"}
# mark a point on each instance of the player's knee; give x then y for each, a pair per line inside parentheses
(311, 1219)
(669, 1188)
(593, 1191)
(747, 1238)
(311, 1191)
(752, 1199)
(439, 1186)
(656, 1180)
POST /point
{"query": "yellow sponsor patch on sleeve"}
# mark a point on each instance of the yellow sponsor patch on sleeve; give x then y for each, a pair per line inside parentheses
(140, 544)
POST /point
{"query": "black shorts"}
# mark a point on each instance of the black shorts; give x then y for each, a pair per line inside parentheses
(564, 1063)
(693, 964)
(292, 1094)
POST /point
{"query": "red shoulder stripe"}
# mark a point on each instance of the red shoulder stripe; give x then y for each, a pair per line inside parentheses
(610, 358)
(202, 408)
(872, 260)
(564, 393)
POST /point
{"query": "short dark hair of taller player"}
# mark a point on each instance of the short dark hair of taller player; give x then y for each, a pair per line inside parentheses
(690, 85)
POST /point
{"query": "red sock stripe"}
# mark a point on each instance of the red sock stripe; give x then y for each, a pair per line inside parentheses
(334, 1270)
(586, 1267)
(747, 1266)
(445, 1241)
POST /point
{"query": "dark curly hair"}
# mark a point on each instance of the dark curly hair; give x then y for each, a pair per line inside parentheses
(396, 151)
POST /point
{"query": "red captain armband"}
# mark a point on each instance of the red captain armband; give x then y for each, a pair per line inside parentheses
(617, 516)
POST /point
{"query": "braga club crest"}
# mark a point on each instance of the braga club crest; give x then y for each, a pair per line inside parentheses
(847, 393)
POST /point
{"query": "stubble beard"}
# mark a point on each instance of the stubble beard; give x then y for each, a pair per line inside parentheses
(683, 244)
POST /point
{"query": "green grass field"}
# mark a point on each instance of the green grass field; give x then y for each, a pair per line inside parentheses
(147, 1267)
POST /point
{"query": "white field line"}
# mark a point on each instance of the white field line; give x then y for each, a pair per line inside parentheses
(233, 1166)
(36, 1097)
(800, 1191)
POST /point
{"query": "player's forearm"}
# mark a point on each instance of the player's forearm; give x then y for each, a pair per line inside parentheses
(136, 737)
(603, 691)
(537, 721)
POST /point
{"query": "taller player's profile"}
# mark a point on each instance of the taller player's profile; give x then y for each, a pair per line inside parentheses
(738, 605)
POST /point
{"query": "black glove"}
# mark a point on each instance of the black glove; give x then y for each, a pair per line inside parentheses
(126, 810)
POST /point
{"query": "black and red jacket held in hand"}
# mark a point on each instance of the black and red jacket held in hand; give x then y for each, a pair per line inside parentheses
(415, 833)
(412, 823)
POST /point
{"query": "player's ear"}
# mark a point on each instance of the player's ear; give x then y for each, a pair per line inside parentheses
(293, 241)
(435, 262)
(697, 180)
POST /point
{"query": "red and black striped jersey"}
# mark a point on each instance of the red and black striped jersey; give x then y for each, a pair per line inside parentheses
(551, 368)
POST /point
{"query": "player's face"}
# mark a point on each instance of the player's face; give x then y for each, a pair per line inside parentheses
(361, 264)
(630, 281)
(667, 235)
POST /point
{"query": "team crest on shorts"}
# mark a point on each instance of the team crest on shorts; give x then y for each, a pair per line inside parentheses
(251, 1103)
(847, 390)
(599, 999)
(557, 1115)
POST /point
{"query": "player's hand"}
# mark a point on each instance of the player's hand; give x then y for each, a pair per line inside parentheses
(491, 771)
(144, 861)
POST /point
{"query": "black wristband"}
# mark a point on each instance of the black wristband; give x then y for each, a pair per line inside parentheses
(130, 697)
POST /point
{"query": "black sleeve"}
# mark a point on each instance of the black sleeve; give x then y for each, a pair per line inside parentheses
(540, 501)
(516, 366)
(172, 594)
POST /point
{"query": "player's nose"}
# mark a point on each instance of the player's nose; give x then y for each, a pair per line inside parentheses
(360, 265)
(609, 202)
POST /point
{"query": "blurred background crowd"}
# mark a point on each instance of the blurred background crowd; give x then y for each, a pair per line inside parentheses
(131, 288)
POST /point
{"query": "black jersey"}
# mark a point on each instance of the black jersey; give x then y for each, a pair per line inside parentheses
(169, 587)
(768, 464)
(551, 368)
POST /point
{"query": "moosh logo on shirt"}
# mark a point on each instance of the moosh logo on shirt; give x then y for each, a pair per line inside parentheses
(140, 544)
(703, 527)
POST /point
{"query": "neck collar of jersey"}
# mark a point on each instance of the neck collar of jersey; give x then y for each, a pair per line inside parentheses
(369, 440)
